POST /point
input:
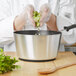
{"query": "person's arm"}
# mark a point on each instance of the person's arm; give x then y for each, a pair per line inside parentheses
(51, 24)
(19, 22)
(21, 19)
(48, 15)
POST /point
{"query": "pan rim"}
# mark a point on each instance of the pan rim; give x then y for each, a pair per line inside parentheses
(36, 32)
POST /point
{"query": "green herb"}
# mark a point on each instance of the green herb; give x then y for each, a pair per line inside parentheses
(36, 17)
(7, 63)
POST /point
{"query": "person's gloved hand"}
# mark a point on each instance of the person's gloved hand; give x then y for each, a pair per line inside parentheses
(29, 12)
(45, 12)
(22, 19)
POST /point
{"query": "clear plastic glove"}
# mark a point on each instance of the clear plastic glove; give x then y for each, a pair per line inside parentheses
(45, 12)
(29, 12)
(21, 20)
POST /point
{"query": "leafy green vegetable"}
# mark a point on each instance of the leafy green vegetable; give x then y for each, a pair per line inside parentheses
(36, 17)
(7, 63)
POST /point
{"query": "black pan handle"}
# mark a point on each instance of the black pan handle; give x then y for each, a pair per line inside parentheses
(67, 28)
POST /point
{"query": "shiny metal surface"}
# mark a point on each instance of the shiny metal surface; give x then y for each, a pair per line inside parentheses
(37, 47)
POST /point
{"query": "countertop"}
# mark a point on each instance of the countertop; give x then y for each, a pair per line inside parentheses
(31, 68)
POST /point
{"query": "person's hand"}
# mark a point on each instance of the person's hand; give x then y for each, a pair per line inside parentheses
(29, 12)
(45, 12)
(48, 18)
(21, 19)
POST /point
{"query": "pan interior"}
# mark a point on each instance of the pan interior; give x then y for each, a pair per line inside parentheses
(36, 32)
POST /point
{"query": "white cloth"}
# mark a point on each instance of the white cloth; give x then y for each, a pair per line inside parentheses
(66, 17)
(10, 8)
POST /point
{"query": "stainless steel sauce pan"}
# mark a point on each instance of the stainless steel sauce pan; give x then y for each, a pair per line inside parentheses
(38, 46)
